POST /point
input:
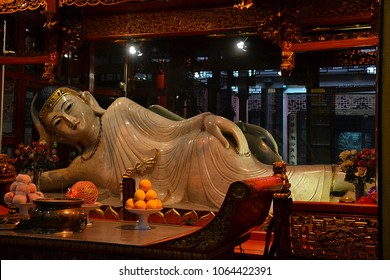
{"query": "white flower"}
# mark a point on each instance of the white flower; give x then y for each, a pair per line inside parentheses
(344, 155)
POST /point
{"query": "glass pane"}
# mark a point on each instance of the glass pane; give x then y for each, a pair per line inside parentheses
(10, 87)
(28, 125)
(109, 65)
(34, 69)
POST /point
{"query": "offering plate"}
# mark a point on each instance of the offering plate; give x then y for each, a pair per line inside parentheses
(25, 208)
(88, 208)
(143, 217)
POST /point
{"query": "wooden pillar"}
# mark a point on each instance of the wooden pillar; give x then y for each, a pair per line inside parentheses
(243, 98)
(287, 31)
(160, 85)
(213, 86)
(383, 131)
(243, 94)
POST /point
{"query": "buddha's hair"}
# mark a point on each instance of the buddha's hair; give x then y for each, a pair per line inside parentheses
(45, 93)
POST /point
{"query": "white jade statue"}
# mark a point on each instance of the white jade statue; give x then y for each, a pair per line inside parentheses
(191, 162)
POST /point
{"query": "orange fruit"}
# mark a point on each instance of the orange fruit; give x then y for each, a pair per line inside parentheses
(140, 204)
(130, 203)
(150, 195)
(139, 195)
(159, 203)
(151, 204)
(145, 185)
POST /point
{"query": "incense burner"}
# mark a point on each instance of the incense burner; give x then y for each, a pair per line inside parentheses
(58, 214)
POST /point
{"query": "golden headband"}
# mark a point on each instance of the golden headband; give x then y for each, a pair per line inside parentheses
(53, 100)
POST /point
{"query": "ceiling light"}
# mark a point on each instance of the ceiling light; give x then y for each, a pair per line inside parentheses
(241, 45)
(132, 50)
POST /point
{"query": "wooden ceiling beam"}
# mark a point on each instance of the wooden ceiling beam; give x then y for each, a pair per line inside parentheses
(336, 44)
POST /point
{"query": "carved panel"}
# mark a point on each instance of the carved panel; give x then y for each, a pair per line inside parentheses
(71, 29)
(322, 236)
(293, 22)
(81, 3)
(325, 19)
(329, 10)
(11, 6)
(357, 57)
(164, 23)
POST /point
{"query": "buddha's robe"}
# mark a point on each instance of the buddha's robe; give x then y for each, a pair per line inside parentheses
(188, 166)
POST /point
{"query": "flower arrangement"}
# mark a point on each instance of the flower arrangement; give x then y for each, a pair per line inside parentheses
(358, 166)
(370, 198)
(39, 156)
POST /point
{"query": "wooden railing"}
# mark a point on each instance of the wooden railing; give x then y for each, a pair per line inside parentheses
(321, 230)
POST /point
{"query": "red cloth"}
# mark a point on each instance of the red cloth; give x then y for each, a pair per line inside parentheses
(3, 210)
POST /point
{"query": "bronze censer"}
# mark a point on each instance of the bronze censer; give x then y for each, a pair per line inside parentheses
(53, 215)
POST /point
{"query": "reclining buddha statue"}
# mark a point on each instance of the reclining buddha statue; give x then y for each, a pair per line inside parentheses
(191, 162)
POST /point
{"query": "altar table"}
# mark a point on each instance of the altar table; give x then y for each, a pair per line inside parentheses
(102, 240)
(246, 205)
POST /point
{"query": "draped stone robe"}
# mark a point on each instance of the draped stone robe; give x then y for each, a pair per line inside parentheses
(188, 166)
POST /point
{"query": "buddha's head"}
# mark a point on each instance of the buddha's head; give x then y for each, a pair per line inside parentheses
(66, 114)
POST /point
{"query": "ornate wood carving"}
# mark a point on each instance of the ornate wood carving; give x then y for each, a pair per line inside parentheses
(287, 30)
(165, 23)
(334, 236)
(65, 31)
(216, 231)
(316, 21)
(70, 30)
(82, 3)
(294, 25)
(297, 25)
(53, 55)
(12, 6)
(356, 57)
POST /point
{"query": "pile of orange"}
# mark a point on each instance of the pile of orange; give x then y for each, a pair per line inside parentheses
(144, 197)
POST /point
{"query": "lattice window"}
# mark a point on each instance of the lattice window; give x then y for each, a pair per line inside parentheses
(254, 102)
(355, 104)
(296, 103)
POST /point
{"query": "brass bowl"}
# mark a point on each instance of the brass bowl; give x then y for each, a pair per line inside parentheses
(58, 214)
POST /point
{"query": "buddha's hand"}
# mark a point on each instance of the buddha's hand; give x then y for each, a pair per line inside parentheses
(219, 127)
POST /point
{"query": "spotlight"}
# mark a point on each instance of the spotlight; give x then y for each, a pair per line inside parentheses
(132, 50)
(241, 45)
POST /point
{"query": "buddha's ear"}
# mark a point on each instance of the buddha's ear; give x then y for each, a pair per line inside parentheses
(89, 99)
(43, 135)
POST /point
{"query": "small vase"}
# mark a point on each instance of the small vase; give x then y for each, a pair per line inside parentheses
(37, 179)
(360, 189)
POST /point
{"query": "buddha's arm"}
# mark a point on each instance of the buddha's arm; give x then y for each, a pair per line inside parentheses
(222, 129)
(58, 180)
(219, 127)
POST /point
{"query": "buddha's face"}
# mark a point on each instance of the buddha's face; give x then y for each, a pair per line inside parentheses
(71, 118)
